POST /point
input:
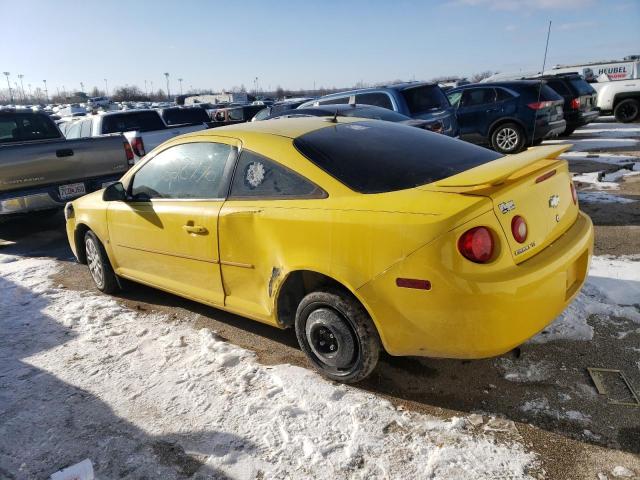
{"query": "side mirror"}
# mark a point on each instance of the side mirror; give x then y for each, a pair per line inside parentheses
(114, 193)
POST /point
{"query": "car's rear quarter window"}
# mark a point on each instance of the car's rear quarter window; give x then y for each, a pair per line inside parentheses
(375, 156)
(180, 116)
(425, 99)
(127, 122)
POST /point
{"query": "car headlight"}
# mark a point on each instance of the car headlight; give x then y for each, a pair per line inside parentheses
(68, 211)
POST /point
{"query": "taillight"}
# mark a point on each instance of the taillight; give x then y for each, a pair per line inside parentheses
(539, 105)
(435, 127)
(575, 103)
(138, 146)
(574, 194)
(476, 245)
(519, 229)
(128, 152)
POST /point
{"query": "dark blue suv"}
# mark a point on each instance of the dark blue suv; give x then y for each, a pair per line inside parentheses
(420, 100)
(508, 116)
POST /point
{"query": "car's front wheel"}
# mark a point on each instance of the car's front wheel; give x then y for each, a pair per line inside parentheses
(627, 110)
(99, 266)
(337, 335)
(508, 138)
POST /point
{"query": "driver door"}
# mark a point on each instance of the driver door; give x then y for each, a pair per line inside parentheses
(166, 234)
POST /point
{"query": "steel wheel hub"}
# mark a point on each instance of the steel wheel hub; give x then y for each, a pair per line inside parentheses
(331, 339)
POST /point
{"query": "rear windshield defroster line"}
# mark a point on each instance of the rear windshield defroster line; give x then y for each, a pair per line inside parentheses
(376, 156)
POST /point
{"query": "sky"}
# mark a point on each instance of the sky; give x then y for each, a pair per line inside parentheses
(300, 44)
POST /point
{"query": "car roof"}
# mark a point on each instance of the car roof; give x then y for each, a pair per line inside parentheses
(506, 83)
(286, 127)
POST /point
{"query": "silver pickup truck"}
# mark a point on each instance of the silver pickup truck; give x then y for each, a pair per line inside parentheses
(40, 169)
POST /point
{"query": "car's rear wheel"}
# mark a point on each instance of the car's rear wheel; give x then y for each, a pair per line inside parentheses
(627, 110)
(99, 266)
(337, 335)
(508, 138)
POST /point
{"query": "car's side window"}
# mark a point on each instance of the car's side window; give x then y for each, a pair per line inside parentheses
(74, 131)
(85, 128)
(454, 99)
(187, 171)
(258, 177)
(376, 99)
(502, 94)
(478, 96)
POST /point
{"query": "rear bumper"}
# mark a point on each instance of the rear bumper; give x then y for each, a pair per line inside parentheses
(470, 313)
(578, 119)
(46, 197)
(550, 129)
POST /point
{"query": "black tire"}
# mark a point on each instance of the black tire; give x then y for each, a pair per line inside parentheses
(567, 131)
(508, 138)
(337, 335)
(627, 110)
(99, 266)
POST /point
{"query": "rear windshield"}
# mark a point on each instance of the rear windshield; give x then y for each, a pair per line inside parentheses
(425, 99)
(581, 86)
(374, 157)
(21, 127)
(127, 122)
(179, 116)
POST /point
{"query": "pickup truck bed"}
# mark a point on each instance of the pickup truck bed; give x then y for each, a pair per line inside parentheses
(42, 174)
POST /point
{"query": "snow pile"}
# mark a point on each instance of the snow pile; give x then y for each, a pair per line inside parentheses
(602, 181)
(541, 406)
(612, 289)
(142, 397)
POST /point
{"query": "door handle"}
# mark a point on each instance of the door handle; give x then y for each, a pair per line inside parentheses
(195, 229)
(64, 152)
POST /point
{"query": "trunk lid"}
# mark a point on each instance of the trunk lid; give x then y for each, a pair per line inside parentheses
(534, 185)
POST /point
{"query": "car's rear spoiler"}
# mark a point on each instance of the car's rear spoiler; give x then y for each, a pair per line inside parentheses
(497, 171)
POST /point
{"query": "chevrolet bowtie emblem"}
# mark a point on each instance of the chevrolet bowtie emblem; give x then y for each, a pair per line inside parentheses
(554, 201)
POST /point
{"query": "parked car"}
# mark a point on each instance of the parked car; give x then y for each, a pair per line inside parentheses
(359, 234)
(425, 101)
(579, 99)
(359, 111)
(508, 116)
(41, 170)
(95, 102)
(144, 129)
(620, 98)
(237, 114)
(279, 107)
(175, 116)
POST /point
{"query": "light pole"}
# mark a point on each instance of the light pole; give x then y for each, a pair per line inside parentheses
(166, 74)
(29, 85)
(24, 97)
(146, 92)
(106, 88)
(151, 89)
(180, 80)
(6, 74)
(82, 87)
(46, 92)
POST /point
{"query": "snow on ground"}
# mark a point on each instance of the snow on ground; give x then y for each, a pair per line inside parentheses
(146, 396)
(604, 129)
(605, 181)
(612, 289)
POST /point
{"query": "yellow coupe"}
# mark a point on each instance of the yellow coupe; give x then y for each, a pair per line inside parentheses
(361, 234)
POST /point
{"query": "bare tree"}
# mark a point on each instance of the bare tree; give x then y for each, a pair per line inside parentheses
(476, 77)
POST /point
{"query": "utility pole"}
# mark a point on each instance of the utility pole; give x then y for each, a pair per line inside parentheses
(106, 88)
(151, 87)
(82, 87)
(24, 97)
(6, 74)
(46, 92)
(180, 80)
(166, 74)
